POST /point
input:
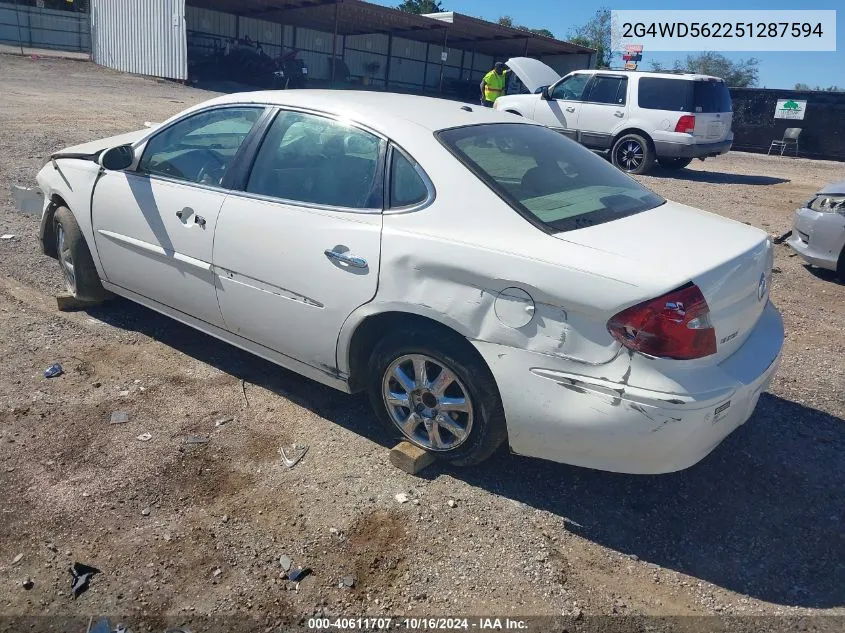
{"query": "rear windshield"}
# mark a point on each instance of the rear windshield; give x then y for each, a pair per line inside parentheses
(551, 180)
(684, 95)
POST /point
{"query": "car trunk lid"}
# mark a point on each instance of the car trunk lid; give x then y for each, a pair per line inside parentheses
(729, 262)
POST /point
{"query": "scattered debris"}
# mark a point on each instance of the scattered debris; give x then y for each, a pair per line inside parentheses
(348, 581)
(103, 626)
(52, 547)
(144, 437)
(243, 391)
(53, 370)
(146, 512)
(119, 417)
(298, 573)
(451, 503)
(286, 562)
(775, 269)
(780, 239)
(7, 236)
(402, 497)
(96, 384)
(224, 421)
(217, 572)
(410, 458)
(82, 575)
(28, 584)
(196, 439)
(17, 559)
(225, 518)
(27, 200)
(124, 393)
(297, 453)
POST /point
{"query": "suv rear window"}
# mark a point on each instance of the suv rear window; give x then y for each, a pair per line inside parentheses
(684, 95)
(551, 180)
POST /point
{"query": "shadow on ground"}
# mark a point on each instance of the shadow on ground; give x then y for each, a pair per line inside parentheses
(716, 177)
(763, 515)
(824, 274)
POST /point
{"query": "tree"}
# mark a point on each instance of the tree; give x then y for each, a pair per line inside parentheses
(800, 86)
(507, 20)
(595, 33)
(739, 74)
(421, 6)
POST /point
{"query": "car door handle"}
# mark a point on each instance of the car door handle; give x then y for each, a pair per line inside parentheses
(619, 114)
(346, 258)
(570, 109)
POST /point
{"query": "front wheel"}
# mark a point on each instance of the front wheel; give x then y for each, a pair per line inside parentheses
(673, 163)
(633, 154)
(75, 259)
(430, 387)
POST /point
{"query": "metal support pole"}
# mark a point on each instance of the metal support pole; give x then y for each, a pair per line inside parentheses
(525, 50)
(18, 19)
(425, 67)
(443, 61)
(334, 40)
(387, 65)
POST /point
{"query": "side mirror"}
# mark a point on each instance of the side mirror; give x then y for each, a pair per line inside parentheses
(117, 158)
(544, 94)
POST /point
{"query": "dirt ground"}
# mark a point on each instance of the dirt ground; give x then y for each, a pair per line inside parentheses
(184, 531)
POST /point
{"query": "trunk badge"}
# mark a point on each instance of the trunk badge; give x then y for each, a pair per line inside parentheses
(762, 286)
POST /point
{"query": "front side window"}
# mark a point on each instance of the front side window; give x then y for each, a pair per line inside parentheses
(546, 177)
(571, 88)
(406, 186)
(610, 90)
(317, 160)
(200, 148)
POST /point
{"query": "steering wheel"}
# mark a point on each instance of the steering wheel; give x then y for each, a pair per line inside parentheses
(212, 170)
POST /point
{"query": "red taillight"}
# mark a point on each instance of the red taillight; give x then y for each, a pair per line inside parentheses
(686, 124)
(676, 325)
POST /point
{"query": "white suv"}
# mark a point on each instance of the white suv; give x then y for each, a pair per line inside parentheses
(639, 117)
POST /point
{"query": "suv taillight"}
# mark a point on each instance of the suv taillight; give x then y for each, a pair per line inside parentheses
(686, 124)
(675, 325)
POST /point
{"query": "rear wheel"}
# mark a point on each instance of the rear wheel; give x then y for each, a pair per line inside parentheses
(674, 163)
(633, 154)
(75, 259)
(429, 387)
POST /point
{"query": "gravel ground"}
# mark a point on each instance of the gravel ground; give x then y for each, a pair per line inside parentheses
(188, 530)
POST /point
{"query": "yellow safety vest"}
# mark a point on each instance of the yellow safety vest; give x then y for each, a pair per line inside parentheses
(494, 85)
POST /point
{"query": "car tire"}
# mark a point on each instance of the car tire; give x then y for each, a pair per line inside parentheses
(673, 163)
(840, 266)
(75, 260)
(633, 154)
(471, 435)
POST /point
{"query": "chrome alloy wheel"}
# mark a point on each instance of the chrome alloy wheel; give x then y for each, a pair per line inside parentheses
(66, 259)
(629, 155)
(427, 402)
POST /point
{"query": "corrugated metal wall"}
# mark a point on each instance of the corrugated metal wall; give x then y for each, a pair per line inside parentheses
(45, 28)
(146, 38)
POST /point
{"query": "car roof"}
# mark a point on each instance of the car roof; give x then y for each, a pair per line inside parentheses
(384, 112)
(658, 74)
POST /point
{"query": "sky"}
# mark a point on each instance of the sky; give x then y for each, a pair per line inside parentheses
(776, 69)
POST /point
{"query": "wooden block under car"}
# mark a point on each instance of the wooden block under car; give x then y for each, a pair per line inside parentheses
(412, 459)
(67, 302)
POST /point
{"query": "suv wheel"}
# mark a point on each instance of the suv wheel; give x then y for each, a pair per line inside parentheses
(673, 163)
(632, 154)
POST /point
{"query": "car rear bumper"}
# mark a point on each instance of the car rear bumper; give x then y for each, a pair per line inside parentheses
(819, 238)
(598, 423)
(668, 149)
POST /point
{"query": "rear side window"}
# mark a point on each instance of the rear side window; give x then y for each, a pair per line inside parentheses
(610, 90)
(549, 179)
(406, 186)
(683, 95)
(318, 161)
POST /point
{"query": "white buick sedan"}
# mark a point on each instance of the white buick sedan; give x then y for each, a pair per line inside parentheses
(482, 278)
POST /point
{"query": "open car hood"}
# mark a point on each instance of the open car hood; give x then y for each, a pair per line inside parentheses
(533, 73)
(93, 148)
(836, 188)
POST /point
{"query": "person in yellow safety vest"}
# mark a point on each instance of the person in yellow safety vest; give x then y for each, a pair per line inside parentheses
(493, 84)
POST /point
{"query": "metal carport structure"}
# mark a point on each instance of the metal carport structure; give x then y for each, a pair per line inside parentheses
(396, 50)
